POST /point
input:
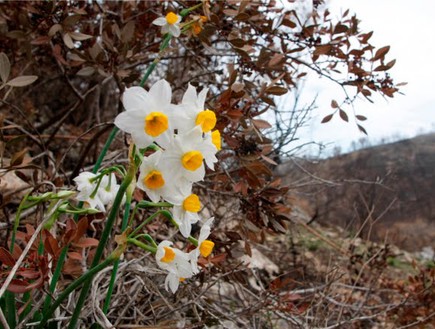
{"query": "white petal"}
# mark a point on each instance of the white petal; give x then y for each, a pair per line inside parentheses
(201, 98)
(130, 121)
(189, 96)
(173, 281)
(175, 30)
(160, 21)
(195, 176)
(185, 227)
(134, 98)
(161, 92)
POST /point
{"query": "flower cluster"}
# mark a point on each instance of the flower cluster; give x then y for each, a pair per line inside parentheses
(186, 144)
(96, 190)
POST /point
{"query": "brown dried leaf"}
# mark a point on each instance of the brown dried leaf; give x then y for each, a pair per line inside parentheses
(127, 32)
(86, 71)
(86, 243)
(18, 157)
(234, 114)
(261, 124)
(22, 81)
(343, 115)
(380, 53)
(54, 29)
(362, 129)
(5, 67)
(6, 258)
(79, 36)
(68, 41)
(276, 90)
(327, 118)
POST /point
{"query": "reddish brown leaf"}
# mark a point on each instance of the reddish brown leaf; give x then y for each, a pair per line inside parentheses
(334, 104)
(75, 255)
(85, 243)
(340, 28)
(234, 114)
(343, 116)
(362, 129)
(18, 286)
(327, 118)
(276, 90)
(322, 50)
(261, 124)
(380, 53)
(218, 258)
(6, 258)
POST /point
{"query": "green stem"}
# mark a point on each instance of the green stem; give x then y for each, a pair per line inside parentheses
(87, 276)
(116, 264)
(142, 245)
(165, 213)
(103, 241)
(105, 149)
(56, 276)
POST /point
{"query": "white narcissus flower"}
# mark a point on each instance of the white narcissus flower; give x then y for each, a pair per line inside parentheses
(108, 188)
(170, 24)
(156, 182)
(185, 211)
(94, 194)
(205, 247)
(86, 190)
(185, 156)
(176, 262)
(149, 115)
(194, 111)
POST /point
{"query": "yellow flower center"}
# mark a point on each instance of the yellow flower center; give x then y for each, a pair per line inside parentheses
(192, 160)
(182, 279)
(171, 18)
(207, 120)
(191, 203)
(169, 255)
(216, 139)
(154, 179)
(206, 248)
(156, 123)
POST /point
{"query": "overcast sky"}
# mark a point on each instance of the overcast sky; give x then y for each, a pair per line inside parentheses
(408, 29)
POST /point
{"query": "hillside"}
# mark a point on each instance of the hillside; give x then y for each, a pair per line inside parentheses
(382, 193)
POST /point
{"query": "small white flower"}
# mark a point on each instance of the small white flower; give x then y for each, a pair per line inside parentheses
(170, 24)
(185, 211)
(155, 181)
(194, 112)
(95, 194)
(108, 189)
(185, 156)
(205, 247)
(176, 262)
(149, 115)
